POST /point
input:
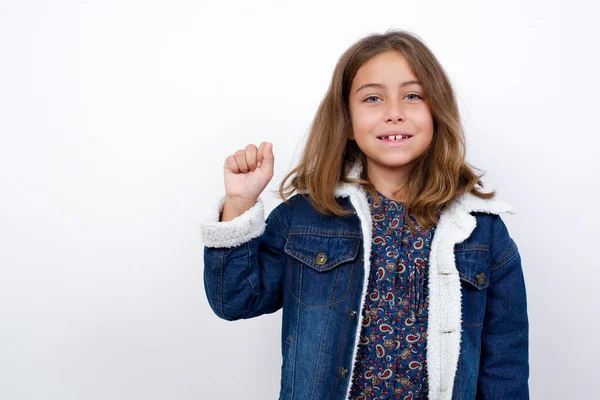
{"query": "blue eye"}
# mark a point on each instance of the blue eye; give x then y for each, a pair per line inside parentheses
(414, 94)
(370, 97)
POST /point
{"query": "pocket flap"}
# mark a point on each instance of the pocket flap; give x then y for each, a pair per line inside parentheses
(320, 252)
(473, 266)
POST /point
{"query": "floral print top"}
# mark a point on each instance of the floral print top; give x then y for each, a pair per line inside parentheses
(391, 356)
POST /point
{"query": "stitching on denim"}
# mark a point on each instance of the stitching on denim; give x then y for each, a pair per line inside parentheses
(220, 285)
(293, 372)
(278, 224)
(323, 335)
(289, 269)
(471, 247)
(508, 256)
(344, 337)
(286, 364)
(472, 325)
(249, 262)
(347, 325)
(328, 233)
(349, 280)
(335, 280)
(460, 375)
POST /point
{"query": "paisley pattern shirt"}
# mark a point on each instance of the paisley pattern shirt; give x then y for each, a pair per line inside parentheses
(391, 357)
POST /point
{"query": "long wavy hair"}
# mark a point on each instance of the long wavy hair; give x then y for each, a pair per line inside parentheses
(440, 175)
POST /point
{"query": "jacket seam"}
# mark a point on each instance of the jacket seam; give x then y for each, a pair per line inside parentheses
(220, 285)
(249, 267)
(472, 247)
(322, 339)
(325, 232)
(278, 224)
(293, 372)
(344, 340)
(460, 359)
(508, 256)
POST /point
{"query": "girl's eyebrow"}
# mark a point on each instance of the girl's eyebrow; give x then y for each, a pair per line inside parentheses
(380, 86)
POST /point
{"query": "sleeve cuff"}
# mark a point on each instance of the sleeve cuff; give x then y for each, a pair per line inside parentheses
(242, 229)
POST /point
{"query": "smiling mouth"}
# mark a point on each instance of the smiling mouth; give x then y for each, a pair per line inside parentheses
(394, 138)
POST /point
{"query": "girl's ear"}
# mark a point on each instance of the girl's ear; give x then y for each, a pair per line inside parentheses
(351, 136)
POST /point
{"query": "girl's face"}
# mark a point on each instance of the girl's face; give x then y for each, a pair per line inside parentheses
(385, 100)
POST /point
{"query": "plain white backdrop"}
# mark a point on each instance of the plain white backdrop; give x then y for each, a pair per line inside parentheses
(115, 120)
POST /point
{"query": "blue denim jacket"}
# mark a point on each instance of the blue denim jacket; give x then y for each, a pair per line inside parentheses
(316, 268)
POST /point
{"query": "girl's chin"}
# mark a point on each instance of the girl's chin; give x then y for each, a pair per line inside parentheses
(388, 164)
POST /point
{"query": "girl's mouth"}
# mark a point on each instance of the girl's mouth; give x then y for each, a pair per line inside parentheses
(394, 140)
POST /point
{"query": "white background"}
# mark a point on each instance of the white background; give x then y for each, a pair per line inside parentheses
(115, 119)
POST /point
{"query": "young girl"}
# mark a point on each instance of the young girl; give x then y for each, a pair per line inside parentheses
(397, 277)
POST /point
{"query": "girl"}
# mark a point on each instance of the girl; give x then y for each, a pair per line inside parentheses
(397, 277)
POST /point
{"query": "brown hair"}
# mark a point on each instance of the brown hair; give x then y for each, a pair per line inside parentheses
(440, 175)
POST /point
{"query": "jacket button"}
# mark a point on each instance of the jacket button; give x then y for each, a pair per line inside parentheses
(343, 372)
(352, 314)
(321, 258)
(481, 278)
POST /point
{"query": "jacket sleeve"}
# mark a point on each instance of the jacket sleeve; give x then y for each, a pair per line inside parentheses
(244, 262)
(504, 363)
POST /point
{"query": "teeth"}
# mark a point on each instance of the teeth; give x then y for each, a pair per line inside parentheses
(397, 137)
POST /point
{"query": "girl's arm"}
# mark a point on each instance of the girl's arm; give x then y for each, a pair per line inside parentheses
(244, 262)
(504, 363)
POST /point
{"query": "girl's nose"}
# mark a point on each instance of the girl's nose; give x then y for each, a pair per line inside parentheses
(395, 112)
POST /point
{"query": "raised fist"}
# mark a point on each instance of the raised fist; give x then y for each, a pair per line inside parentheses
(247, 173)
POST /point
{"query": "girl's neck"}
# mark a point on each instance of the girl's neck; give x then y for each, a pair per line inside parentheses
(386, 180)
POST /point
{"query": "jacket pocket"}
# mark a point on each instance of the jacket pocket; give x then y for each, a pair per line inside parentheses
(473, 265)
(321, 267)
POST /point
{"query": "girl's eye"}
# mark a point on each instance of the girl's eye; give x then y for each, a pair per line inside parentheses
(371, 97)
(377, 97)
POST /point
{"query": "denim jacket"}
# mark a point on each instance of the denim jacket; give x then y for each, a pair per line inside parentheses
(316, 268)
